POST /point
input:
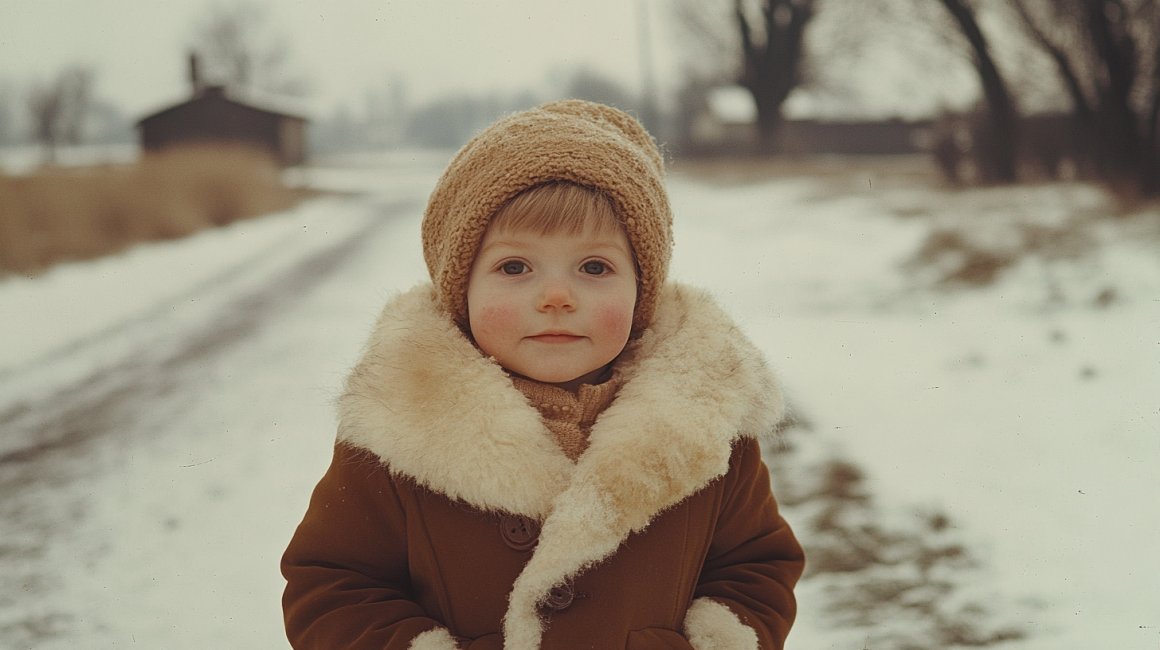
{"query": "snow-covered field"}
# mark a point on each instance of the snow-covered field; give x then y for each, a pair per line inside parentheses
(969, 464)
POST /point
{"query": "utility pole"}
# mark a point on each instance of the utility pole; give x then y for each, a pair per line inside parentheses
(648, 106)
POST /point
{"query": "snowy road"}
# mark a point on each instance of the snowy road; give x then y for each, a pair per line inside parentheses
(143, 464)
(970, 468)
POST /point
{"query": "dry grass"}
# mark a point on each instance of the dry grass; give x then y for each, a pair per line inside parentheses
(77, 213)
(905, 570)
(964, 255)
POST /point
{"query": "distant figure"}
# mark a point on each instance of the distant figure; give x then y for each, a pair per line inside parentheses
(549, 446)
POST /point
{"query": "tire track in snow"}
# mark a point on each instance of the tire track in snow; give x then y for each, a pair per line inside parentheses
(67, 432)
(89, 407)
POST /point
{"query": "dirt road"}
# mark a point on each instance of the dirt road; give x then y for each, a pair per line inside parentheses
(83, 432)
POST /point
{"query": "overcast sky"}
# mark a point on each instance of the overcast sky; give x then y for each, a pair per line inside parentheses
(345, 48)
(342, 48)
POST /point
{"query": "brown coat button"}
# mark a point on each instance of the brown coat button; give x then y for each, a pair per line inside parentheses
(519, 533)
(560, 597)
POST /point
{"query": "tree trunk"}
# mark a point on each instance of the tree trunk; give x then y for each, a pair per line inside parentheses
(1059, 56)
(1150, 175)
(771, 70)
(768, 121)
(997, 155)
(1128, 151)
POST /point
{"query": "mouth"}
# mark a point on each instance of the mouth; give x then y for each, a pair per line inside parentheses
(555, 337)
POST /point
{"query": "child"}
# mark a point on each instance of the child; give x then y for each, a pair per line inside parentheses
(548, 446)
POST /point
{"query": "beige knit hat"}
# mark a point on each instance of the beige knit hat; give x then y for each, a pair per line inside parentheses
(572, 140)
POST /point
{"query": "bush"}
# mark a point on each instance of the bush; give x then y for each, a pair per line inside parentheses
(63, 214)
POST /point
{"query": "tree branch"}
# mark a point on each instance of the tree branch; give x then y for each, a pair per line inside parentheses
(1063, 63)
(747, 49)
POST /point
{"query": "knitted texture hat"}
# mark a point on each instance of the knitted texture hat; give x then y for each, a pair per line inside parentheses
(572, 140)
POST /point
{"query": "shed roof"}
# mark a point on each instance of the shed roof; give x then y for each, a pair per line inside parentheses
(274, 105)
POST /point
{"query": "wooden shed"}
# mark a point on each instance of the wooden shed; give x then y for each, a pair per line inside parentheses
(215, 114)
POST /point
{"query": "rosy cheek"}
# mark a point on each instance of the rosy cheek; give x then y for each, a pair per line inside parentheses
(502, 314)
(615, 320)
(491, 321)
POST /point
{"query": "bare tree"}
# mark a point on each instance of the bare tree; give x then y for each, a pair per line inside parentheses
(58, 109)
(996, 140)
(585, 83)
(77, 86)
(760, 46)
(1107, 57)
(448, 122)
(44, 107)
(236, 48)
(708, 43)
(6, 118)
(773, 59)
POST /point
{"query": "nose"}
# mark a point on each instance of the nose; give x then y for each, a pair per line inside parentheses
(556, 295)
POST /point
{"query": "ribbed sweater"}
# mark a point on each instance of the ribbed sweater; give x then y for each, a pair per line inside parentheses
(569, 416)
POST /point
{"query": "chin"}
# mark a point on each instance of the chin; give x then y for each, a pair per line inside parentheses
(555, 379)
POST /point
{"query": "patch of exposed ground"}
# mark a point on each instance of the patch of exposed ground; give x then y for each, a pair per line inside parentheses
(904, 570)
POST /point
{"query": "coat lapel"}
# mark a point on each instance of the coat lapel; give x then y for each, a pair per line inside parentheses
(434, 409)
(692, 385)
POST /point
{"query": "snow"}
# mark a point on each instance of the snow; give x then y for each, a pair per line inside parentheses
(1032, 419)
(1025, 410)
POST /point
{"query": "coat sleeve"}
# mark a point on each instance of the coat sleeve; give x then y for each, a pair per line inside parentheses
(744, 596)
(346, 570)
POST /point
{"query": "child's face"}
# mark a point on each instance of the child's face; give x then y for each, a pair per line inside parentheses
(556, 308)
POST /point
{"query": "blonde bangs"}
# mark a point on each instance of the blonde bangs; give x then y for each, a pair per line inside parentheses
(559, 206)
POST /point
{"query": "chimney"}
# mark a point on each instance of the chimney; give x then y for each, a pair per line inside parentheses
(196, 83)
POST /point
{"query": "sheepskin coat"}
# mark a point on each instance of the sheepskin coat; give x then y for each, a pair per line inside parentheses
(450, 518)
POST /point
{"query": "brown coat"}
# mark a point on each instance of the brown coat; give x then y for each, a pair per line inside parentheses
(450, 518)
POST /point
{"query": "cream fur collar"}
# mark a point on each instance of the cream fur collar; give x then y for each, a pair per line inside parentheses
(425, 401)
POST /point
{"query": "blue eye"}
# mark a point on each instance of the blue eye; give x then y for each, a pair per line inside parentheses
(513, 268)
(594, 267)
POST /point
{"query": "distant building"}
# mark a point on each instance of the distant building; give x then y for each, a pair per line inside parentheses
(216, 114)
(726, 122)
(854, 137)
